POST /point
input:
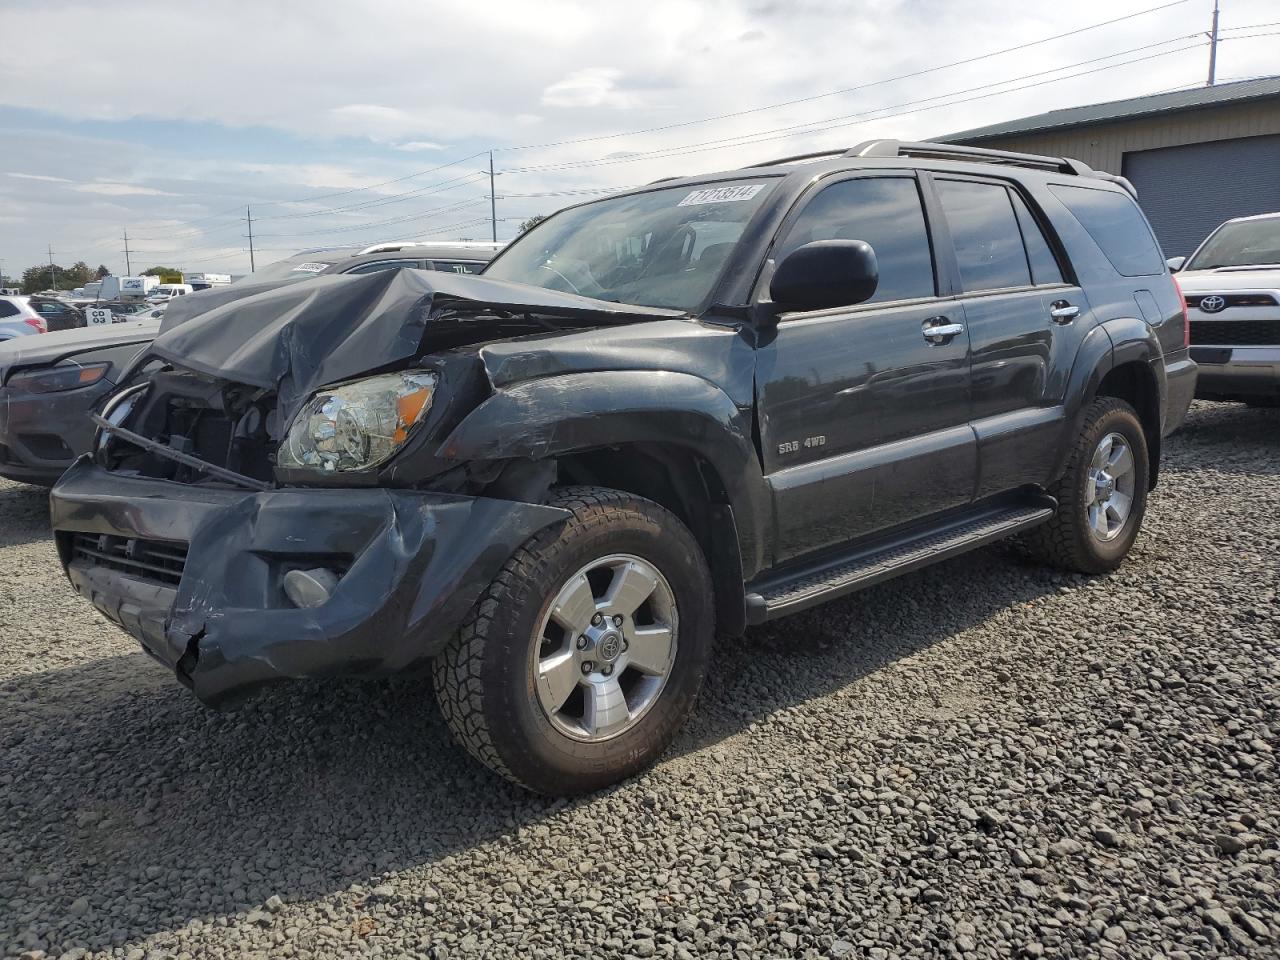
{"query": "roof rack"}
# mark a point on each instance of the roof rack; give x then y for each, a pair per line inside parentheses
(948, 151)
(393, 245)
(942, 151)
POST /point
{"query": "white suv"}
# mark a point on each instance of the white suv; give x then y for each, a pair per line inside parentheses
(18, 319)
(1232, 288)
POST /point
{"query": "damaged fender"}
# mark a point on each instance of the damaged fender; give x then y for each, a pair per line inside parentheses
(544, 418)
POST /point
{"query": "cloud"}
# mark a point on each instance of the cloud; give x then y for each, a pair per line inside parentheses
(38, 176)
(419, 146)
(108, 189)
(589, 87)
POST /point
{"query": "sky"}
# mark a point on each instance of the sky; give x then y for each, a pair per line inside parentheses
(340, 123)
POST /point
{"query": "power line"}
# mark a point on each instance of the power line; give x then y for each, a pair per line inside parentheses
(830, 123)
(853, 89)
(968, 60)
(424, 215)
(951, 98)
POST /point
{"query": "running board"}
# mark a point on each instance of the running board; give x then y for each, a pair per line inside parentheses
(836, 577)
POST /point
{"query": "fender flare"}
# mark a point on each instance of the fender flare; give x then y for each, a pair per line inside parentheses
(1108, 345)
(570, 413)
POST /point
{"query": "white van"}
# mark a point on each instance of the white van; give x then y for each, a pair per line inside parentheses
(167, 291)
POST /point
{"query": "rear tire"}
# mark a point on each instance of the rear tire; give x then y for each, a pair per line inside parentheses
(531, 684)
(1102, 495)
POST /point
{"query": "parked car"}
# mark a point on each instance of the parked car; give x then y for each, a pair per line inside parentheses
(60, 418)
(1232, 288)
(456, 257)
(58, 314)
(695, 406)
(47, 386)
(18, 318)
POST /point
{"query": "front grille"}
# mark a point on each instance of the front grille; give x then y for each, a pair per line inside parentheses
(1235, 299)
(160, 561)
(1235, 333)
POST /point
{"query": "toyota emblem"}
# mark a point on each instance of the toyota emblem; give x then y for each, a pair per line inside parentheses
(1212, 303)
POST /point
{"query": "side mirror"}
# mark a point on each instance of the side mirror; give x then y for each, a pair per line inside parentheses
(1175, 263)
(825, 273)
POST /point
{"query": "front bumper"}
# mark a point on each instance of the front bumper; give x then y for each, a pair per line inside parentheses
(1231, 372)
(413, 565)
(41, 434)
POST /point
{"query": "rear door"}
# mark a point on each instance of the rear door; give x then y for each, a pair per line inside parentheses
(864, 415)
(1025, 320)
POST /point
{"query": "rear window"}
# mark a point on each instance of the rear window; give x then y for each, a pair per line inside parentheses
(1117, 227)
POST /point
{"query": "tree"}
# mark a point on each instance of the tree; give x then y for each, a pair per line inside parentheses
(166, 274)
(103, 272)
(78, 274)
(45, 277)
(532, 222)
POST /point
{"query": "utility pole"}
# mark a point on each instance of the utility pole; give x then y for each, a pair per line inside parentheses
(248, 215)
(1213, 46)
(493, 201)
(128, 264)
(53, 271)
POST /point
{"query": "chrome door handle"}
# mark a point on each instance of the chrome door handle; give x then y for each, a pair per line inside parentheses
(1062, 312)
(941, 331)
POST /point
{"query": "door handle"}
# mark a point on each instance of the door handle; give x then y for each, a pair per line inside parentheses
(939, 332)
(1062, 312)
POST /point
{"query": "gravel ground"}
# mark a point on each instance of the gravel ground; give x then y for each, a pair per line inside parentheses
(985, 759)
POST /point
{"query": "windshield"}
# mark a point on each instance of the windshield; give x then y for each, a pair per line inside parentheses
(663, 248)
(1241, 244)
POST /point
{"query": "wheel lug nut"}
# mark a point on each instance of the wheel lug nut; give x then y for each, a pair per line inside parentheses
(617, 620)
(588, 666)
(582, 643)
(597, 620)
(606, 669)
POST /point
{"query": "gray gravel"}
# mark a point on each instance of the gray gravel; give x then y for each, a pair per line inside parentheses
(986, 759)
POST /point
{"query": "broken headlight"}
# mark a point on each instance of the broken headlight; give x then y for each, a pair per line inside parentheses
(357, 425)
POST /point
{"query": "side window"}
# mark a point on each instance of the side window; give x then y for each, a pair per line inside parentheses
(1044, 265)
(886, 213)
(1117, 227)
(457, 266)
(381, 265)
(985, 232)
(7, 309)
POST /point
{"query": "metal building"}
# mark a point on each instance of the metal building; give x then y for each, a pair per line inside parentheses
(1197, 157)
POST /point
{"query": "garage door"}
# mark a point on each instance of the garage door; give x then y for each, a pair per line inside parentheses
(1187, 191)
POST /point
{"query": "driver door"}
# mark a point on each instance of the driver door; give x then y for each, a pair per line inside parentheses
(864, 416)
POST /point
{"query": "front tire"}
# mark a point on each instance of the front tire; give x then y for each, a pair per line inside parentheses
(582, 659)
(1102, 495)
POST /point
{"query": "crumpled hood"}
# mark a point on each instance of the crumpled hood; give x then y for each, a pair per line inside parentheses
(298, 337)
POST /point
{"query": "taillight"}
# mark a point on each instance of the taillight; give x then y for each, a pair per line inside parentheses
(1186, 320)
(38, 323)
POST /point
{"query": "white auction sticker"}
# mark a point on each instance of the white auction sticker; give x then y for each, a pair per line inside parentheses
(309, 267)
(97, 316)
(722, 194)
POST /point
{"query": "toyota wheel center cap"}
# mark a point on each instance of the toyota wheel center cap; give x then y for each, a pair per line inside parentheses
(609, 647)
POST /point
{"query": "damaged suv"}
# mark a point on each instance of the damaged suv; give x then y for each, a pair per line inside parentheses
(655, 417)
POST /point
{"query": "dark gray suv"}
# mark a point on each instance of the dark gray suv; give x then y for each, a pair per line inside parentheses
(673, 412)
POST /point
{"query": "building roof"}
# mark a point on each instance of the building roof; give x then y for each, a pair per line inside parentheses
(1155, 104)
